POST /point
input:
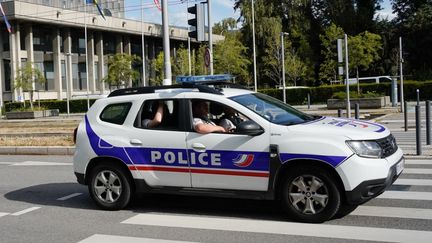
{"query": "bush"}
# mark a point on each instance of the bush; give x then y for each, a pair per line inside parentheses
(322, 93)
(75, 106)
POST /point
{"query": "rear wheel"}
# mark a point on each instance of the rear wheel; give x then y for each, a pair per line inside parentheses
(110, 187)
(310, 195)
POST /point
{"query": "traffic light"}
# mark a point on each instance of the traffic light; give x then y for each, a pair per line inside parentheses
(197, 23)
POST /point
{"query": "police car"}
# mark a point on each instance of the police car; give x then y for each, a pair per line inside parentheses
(318, 167)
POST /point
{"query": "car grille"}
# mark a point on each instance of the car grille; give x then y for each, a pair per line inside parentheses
(388, 144)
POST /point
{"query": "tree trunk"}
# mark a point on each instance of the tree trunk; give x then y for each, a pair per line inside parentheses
(358, 83)
(31, 99)
(24, 99)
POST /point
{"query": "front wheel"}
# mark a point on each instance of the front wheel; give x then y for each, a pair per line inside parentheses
(109, 187)
(310, 195)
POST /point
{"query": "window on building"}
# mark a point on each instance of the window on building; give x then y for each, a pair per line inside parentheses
(7, 75)
(81, 45)
(96, 75)
(49, 75)
(63, 75)
(82, 76)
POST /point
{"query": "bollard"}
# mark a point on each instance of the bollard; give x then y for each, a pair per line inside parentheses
(418, 130)
(339, 112)
(428, 131)
(357, 111)
(406, 115)
(308, 97)
(418, 97)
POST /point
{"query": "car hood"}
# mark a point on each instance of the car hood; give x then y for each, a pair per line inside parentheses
(353, 129)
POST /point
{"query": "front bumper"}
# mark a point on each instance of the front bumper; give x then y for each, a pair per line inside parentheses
(367, 190)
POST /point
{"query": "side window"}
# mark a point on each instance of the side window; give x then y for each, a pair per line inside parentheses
(159, 115)
(115, 113)
(214, 113)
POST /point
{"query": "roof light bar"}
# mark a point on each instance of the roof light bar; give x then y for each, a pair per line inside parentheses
(203, 78)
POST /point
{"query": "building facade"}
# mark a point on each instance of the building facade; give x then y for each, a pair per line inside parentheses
(52, 38)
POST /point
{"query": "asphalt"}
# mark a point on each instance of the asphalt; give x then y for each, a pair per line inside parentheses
(388, 116)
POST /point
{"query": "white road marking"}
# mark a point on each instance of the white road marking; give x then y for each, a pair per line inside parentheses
(25, 211)
(38, 163)
(3, 214)
(402, 195)
(69, 196)
(413, 182)
(282, 228)
(97, 238)
(6, 163)
(417, 171)
(418, 162)
(393, 212)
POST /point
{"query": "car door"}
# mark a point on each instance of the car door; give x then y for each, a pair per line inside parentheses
(229, 160)
(159, 153)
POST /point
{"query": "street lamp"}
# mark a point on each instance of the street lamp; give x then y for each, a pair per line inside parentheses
(253, 43)
(283, 65)
(67, 82)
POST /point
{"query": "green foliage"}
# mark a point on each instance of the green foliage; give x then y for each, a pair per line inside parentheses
(158, 67)
(328, 68)
(25, 78)
(225, 26)
(230, 57)
(354, 95)
(181, 62)
(120, 72)
(75, 106)
(295, 68)
(323, 93)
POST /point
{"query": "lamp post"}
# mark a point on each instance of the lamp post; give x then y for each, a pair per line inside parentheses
(253, 43)
(348, 104)
(67, 82)
(401, 76)
(283, 65)
(166, 44)
(143, 46)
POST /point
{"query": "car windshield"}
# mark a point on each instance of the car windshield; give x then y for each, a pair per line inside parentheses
(273, 109)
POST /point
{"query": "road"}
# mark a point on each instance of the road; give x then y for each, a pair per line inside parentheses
(41, 202)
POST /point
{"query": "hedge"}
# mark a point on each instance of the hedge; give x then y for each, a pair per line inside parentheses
(322, 93)
(75, 106)
(293, 96)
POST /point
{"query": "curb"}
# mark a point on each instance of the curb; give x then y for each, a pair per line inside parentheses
(37, 150)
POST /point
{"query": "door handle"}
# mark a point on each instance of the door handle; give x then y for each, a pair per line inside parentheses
(198, 147)
(135, 142)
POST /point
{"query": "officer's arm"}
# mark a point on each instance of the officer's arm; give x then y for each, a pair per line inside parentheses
(208, 128)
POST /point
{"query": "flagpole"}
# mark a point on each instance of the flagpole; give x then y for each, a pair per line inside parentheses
(86, 53)
(143, 45)
(189, 43)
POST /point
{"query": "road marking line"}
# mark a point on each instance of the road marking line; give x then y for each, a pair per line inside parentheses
(6, 163)
(406, 195)
(417, 171)
(418, 162)
(98, 238)
(69, 196)
(38, 163)
(281, 228)
(393, 212)
(25, 211)
(413, 182)
(3, 214)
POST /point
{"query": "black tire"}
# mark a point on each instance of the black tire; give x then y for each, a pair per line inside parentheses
(110, 187)
(307, 203)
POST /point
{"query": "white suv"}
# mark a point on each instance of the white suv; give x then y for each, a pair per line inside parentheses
(318, 167)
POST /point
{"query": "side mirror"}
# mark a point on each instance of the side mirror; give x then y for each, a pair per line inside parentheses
(249, 128)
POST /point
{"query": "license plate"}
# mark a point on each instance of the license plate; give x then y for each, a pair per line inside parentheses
(400, 167)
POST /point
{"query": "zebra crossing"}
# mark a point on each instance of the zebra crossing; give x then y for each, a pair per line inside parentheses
(392, 207)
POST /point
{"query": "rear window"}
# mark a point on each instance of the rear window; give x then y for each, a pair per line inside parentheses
(115, 113)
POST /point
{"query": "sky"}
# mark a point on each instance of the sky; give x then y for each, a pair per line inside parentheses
(177, 10)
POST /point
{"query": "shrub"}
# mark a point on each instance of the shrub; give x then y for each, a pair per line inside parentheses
(75, 106)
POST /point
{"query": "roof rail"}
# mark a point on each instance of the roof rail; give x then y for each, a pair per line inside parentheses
(204, 88)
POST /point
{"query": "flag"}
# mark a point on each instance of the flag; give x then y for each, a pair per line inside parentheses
(158, 4)
(8, 26)
(96, 3)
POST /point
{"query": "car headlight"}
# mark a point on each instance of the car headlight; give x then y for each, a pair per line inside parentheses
(368, 149)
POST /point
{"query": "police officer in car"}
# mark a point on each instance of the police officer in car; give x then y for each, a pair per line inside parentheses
(201, 122)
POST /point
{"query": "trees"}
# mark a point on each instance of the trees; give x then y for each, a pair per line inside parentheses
(364, 49)
(120, 72)
(328, 68)
(26, 76)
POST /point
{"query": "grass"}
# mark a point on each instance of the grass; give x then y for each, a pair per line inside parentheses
(37, 141)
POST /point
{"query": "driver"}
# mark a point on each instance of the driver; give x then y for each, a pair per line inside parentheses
(230, 119)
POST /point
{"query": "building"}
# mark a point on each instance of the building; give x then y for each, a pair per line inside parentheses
(50, 34)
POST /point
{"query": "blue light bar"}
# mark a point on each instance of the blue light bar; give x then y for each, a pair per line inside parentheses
(203, 78)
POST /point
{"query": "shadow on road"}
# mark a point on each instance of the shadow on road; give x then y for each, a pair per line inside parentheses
(47, 194)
